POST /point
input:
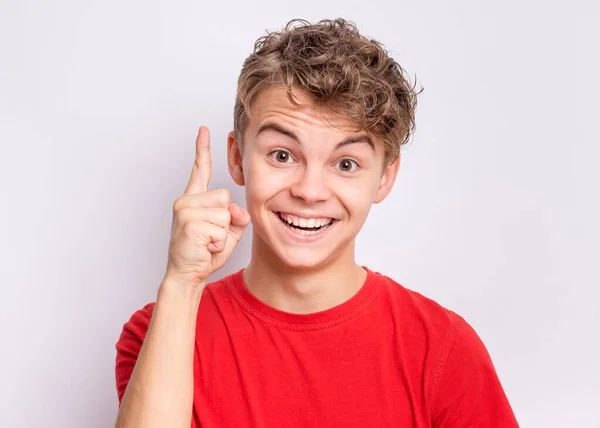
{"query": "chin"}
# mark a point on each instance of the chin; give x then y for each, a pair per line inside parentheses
(302, 259)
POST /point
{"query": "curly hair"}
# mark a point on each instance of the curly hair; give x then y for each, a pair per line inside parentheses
(340, 69)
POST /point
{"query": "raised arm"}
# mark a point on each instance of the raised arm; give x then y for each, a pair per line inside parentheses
(206, 228)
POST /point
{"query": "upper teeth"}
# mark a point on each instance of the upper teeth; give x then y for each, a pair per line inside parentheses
(305, 222)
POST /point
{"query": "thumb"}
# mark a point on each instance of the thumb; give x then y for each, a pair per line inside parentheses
(240, 218)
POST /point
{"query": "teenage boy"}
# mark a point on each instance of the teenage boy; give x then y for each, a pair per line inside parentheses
(303, 336)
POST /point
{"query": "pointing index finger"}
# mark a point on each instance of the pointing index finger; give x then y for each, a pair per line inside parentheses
(201, 170)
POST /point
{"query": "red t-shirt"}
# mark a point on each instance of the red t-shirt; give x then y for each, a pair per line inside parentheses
(386, 357)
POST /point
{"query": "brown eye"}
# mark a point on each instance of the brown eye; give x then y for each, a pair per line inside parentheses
(281, 156)
(347, 165)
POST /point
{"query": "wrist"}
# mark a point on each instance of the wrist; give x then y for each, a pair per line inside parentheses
(172, 288)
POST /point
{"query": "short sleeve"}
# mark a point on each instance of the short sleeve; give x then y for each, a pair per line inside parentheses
(469, 392)
(129, 346)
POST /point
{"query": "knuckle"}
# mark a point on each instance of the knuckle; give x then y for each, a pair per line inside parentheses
(183, 214)
(190, 229)
(176, 205)
(224, 196)
(179, 204)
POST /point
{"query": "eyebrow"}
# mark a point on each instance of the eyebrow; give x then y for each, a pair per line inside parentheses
(270, 126)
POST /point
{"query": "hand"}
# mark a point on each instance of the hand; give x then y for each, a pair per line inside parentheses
(206, 225)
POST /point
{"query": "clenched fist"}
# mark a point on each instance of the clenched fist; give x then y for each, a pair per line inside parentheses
(206, 225)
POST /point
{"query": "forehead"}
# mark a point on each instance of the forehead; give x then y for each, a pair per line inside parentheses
(273, 103)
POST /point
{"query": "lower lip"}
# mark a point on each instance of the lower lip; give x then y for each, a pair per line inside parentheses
(301, 237)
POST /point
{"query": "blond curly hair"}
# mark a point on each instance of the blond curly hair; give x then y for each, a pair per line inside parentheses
(340, 69)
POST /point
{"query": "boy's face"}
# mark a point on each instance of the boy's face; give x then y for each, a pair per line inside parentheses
(299, 169)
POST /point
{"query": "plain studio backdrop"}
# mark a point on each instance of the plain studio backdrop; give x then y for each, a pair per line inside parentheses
(494, 213)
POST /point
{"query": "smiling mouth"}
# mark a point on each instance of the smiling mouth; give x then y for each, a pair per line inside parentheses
(305, 226)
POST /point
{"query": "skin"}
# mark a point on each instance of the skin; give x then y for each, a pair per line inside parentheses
(310, 176)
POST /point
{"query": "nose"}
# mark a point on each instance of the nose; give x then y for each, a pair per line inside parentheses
(311, 185)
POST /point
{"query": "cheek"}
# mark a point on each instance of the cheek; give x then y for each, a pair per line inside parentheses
(262, 181)
(357, 196)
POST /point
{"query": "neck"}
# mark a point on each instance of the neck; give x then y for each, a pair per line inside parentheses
(302, 290)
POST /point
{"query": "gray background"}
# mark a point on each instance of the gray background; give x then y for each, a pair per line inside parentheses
(494, 214)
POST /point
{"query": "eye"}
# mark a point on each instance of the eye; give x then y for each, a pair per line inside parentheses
(347, 165)
(281, 156)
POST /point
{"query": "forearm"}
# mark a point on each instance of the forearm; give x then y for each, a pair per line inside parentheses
(160, 391)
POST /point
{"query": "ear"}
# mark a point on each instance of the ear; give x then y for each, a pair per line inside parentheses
(387, 181)
(234, 159)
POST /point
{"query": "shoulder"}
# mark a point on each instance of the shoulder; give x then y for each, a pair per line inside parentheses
(421, 311)
(137, 324)
(134, 330)
(133, 334)
(129, 346)
(464, 386)
(453, 333)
